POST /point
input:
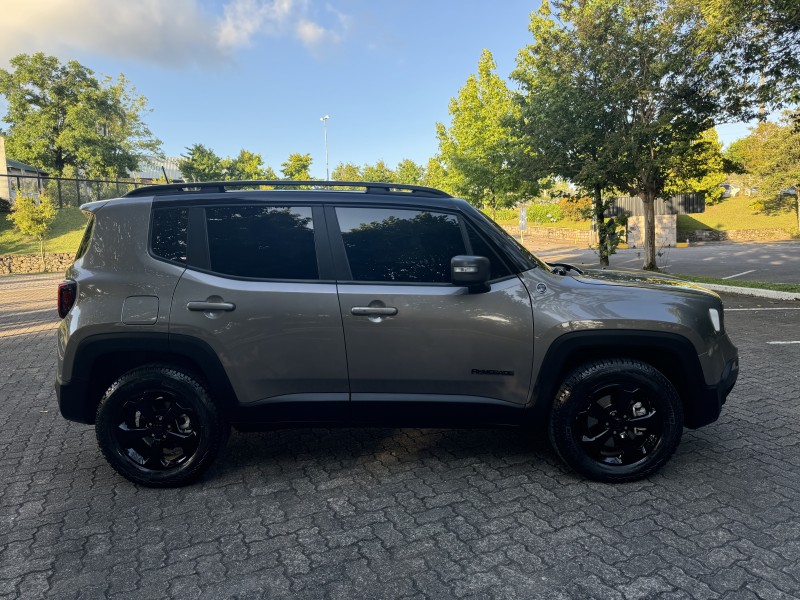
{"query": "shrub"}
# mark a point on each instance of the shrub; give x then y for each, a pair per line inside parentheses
(33, 216)
(545, 213)
(576, 209)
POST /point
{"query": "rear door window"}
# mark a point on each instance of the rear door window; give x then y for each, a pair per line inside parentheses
(263, 242)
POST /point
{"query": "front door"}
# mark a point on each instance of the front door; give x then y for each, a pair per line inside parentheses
(419, 349)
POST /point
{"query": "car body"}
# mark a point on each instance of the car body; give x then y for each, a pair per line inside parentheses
(329, 306)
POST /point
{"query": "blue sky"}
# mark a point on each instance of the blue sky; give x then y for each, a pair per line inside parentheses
(259, 74)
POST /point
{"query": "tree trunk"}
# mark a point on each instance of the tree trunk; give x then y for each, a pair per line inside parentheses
(648, 200)
(41, 248)
(602, 236)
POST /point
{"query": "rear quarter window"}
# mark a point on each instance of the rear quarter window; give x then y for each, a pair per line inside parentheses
(87, 236)
(169, 234)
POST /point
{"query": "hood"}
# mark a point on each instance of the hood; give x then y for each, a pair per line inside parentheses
(642, 279)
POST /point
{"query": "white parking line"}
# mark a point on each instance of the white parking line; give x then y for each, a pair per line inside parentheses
(740, 274)
(784, 308)
(797, 342)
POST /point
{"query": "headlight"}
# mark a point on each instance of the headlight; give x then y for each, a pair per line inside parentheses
(714, 314)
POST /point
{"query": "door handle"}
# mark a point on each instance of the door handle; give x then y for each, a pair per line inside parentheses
(206, 306)
(370, 311)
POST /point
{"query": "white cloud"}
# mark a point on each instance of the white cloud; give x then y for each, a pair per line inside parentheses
(313, 35)
(173, 34)
(244, 18)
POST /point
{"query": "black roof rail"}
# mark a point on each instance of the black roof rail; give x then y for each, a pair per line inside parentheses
(370, 187)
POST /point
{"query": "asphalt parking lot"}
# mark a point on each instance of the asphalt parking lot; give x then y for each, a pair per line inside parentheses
(387, 513)
(776, 262)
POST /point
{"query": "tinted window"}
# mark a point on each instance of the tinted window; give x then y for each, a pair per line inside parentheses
(385, 244)
(480, 247)
(87, 236)
(266, 242)
(169, 233)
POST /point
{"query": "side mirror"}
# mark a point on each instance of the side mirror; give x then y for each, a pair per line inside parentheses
(470, 271)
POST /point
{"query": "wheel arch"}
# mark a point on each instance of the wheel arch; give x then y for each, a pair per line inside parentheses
(102, 359)
(670, 353)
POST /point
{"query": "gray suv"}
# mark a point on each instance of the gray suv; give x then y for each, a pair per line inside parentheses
(193, 307)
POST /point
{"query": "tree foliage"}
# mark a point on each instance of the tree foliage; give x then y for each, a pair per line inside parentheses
(200, 164)
(203, 164)
(61, 115)
(474, 149)
(630, 88)
(297, 167)
(33, 215)
(754, 43)
(707, 159)
(770, 156)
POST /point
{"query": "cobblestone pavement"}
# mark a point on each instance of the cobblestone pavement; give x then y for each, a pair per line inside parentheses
(385, 513)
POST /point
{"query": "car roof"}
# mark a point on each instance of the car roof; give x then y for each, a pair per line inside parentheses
(367, 187)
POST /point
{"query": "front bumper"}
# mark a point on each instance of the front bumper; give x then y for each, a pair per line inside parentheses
(707, 404)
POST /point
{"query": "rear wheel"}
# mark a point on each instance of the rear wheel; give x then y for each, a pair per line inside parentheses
(616, 420)
(157, 426)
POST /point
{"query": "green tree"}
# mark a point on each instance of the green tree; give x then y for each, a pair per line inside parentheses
(200, 164)
(436, 176)
(246, 165)
(770, 156)
(409, 173)
(707, 152)
(33, 216)
(652, 94)
(474, 149)
(754, 44)
(568, 109)
(297, 167)
(380, 171)
(60, 115)
(347, 172)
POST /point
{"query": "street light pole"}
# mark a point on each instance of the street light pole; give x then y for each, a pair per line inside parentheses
(325, 130)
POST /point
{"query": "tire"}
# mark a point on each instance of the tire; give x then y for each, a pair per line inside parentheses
(157, 426)
(616, 420)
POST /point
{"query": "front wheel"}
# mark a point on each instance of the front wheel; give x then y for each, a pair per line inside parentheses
(616, 420)
(157, 426)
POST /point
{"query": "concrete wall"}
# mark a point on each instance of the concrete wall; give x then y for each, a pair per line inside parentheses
(666, 231)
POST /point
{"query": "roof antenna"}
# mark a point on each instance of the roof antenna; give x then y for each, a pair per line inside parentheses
(164, 171)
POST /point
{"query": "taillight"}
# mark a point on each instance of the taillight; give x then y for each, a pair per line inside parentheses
(67, 292)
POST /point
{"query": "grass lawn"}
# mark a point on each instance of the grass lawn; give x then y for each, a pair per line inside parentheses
(778, 287)
(65, 234)
(735, 213)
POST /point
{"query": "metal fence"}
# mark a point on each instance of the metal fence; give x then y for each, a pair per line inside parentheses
(66, 191)
(680, 204)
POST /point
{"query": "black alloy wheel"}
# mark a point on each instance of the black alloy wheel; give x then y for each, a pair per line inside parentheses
(157, 426)
(616, 420)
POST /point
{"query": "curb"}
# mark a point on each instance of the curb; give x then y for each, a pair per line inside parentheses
(745, 291)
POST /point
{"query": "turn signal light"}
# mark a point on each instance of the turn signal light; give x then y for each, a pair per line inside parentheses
(67, 293)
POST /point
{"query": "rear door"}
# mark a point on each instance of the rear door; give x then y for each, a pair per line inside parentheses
(419, 349)
(259, 291)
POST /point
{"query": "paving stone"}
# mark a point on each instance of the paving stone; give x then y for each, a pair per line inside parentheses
(397, 513)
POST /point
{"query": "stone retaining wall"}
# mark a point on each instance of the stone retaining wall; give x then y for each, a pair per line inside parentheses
(32, 263)
(734, 235)
(579, 237)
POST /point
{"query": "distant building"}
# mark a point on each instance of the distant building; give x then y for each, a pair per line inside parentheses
(153, 167)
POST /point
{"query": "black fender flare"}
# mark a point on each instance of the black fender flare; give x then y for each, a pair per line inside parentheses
(100, 359)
